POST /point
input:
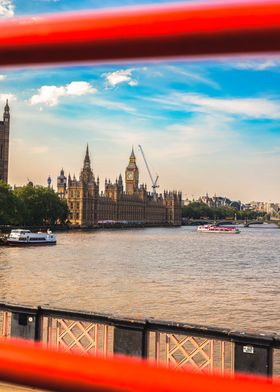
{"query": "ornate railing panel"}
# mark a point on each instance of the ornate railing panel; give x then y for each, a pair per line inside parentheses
(197, 353)
(78, 336)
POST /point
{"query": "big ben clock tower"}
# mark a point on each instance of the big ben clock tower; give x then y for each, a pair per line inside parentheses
(131, 175)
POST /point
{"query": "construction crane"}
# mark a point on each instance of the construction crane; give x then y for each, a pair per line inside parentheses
(154, 182)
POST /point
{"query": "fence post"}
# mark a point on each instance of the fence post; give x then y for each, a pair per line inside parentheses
(38, 325)
(131, 339)
(26, 323)
(23, 325)
(253, 353)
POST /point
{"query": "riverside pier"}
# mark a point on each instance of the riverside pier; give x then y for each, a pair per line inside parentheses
(175, 345)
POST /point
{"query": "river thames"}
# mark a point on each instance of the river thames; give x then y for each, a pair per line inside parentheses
(165, 273)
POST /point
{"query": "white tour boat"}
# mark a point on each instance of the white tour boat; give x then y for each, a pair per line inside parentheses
(26, 238)
(218, 229)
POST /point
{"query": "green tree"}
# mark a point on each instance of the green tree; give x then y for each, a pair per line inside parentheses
(197, 210)
(7, 204)
(40, 206)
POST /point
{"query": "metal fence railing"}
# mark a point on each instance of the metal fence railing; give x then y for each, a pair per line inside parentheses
(175, 345)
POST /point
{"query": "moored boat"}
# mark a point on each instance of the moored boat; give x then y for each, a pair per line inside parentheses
(218, 229)
(21, 237)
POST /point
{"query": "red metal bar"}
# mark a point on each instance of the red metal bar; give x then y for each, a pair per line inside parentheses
(184, 29)
(26, 364)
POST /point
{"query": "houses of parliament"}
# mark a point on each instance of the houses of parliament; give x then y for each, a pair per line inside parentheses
(121, 201)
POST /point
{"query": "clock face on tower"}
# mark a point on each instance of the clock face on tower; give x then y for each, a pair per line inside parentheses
(130, 176)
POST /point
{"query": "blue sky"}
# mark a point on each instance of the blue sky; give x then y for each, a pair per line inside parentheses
(206, 126)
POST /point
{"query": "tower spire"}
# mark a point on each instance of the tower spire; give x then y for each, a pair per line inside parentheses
(87, 159)
(6, 111)
(7, 108)
(132, 156)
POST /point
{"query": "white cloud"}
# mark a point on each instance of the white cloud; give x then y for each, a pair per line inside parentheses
(105, 103)
(79, 88)
(256, 65)
(121, 76)
(245, 107)
(198, 137)
(192, 77)
(49, 95)
(7, 9)
(10, 97)
(3, 77)
(248, 107)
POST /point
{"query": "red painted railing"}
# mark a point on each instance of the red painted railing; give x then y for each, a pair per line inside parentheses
(26, 364)
(184, 29)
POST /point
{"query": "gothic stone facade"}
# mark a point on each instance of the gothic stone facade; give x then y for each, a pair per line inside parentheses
(88, 206)
(4, 143)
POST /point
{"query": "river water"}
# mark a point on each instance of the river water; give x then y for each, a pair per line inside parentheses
(166, 273)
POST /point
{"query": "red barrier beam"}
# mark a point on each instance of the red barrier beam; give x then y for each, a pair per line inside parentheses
(26, 364)
(184, 29)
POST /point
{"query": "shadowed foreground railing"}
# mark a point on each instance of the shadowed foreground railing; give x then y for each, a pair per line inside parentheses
(176, 345)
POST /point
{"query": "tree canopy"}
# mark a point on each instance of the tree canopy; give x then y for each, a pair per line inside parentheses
(198, 210)
(7, 204)
(31, 206)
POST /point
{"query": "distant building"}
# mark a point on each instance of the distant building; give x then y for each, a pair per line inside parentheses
(220, 201)
(61, 185)
(272, 209)
(4, 144)
(88, 206)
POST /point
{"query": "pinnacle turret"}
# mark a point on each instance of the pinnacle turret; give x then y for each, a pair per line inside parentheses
(7, 107)
(6, 115)
(87, 159)
(132, 156)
